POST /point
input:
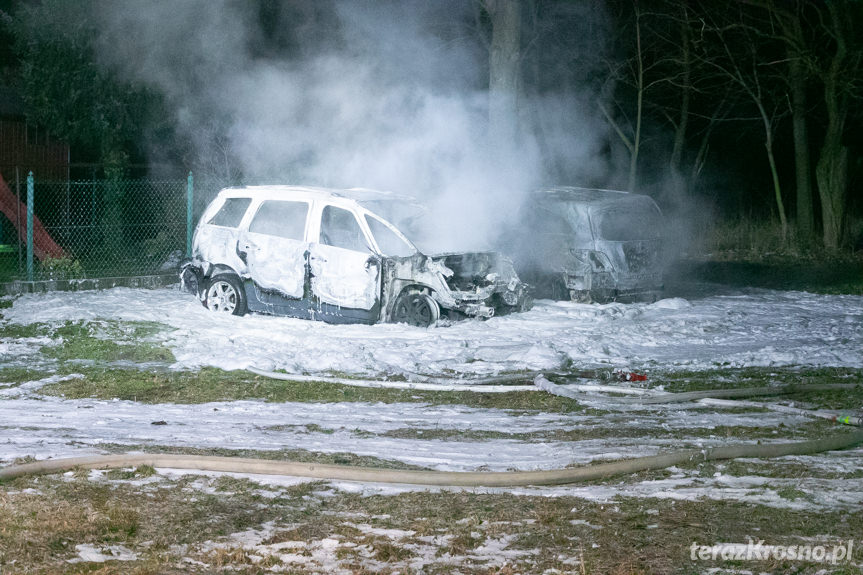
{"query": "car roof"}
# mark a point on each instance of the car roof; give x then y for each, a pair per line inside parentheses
(593, 198)
(271, 192)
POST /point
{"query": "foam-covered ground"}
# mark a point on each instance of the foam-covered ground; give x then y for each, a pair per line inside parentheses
(755, 328)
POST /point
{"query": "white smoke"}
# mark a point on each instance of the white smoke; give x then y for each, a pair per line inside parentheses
(385, 95)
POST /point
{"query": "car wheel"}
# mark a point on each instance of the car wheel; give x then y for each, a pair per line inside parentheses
(556, 289)
(417, 309)
(581, 296)
(224, 293)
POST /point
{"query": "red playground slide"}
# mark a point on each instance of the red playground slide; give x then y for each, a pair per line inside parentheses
(44, 245)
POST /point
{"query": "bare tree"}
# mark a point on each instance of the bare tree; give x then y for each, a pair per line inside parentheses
(739, 60)
(627, 126)
(840, 76)
(681, 123)
(664, 81)
(798, 76)
(831, 55)
(504, 71)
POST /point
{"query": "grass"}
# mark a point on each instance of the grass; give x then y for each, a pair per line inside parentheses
(747, 253)
(817, 276)
(185, 525)
(109, 341)
(748, 239)
(732, 378)
(811, 429)
(101, 341)
(85, 512)
(18, 375)
(110, 355)
(122, 360)
(211, 384)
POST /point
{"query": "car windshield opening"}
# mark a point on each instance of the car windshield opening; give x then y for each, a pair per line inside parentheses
(627, 224)
(388, 241)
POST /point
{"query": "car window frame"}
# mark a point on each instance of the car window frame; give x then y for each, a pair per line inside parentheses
(260, 203)
(315, 234)
(209, 217)
(367, 214)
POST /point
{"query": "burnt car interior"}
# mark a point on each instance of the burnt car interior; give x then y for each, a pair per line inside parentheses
(589, 245)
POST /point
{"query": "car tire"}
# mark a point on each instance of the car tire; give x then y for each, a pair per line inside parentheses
(581, 296)
(417, 309)
(555, 288)
(224, 293)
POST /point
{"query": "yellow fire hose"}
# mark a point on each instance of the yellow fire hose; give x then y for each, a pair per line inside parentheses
(471, 478)
(441, 478)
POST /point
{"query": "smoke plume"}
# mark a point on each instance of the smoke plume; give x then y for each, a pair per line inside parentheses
(390, 95)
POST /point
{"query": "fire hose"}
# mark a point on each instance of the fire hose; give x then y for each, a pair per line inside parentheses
(473, 478)
(436, 478)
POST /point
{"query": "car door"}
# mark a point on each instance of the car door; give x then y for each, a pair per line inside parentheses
(275, 247)
(343, 269)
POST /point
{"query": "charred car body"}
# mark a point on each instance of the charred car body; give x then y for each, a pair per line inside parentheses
(325, 254)
(590, 245)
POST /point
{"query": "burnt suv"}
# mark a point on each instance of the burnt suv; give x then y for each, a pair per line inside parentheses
(327, 254)
(590, 245)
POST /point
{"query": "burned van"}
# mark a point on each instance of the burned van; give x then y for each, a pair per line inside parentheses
(590, 245)
(327, 254)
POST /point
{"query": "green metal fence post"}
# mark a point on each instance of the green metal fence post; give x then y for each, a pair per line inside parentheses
(190, 196)
(30, 227)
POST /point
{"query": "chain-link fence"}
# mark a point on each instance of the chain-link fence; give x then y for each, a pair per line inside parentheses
(97, 228)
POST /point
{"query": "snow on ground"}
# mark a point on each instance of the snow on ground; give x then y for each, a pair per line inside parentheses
(92, 554)
(754, 328)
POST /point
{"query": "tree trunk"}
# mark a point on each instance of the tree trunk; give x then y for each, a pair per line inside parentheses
(777, 190)
(639, 86)
(774, 172)
(797, 79)
(504, 68)
(551, 163)
(832, 169)
(679, 183)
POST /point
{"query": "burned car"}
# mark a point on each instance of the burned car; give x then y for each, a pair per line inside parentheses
(329, 255)
(590, 245)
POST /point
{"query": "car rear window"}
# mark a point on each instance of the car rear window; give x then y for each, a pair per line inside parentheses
(282, 219)
(231, 212)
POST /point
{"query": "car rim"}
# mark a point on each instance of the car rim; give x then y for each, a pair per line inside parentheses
(422, 312)
(402, 312)
(222, 297)
(415, 310)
